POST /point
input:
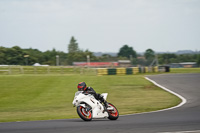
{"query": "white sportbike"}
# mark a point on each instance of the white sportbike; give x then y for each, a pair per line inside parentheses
(88, 107)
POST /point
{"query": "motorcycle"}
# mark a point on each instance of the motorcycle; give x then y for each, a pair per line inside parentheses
(88, 107)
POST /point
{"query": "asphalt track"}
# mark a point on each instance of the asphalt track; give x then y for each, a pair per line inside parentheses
(183, 119)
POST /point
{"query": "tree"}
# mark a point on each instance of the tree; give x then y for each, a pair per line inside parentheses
(73, 51)
(127, 51)
(2, 55)
(149, 54)
(73, 46)
(165, 58)
(15, 56)
(198, 60)
(75, 54)
(35, 56)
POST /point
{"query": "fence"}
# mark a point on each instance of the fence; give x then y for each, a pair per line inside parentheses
(77, 70)
(38, 70)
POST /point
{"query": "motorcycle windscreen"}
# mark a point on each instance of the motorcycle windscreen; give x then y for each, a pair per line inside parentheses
(104, 95)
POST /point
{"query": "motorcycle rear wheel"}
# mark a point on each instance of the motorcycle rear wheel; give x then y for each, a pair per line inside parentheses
(113, 115)
(86, 116)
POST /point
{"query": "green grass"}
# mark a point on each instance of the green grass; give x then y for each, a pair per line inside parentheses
(185, 70)
(45, 97)
(42, 94)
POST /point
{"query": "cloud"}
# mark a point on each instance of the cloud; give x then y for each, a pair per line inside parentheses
(98, 24)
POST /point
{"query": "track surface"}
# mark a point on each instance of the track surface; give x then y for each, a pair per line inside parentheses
(184, 118)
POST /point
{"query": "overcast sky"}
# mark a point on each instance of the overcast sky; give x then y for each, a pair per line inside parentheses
(101, 25)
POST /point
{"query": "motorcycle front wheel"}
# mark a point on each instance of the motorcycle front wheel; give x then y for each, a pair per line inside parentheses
(85, 115)
(114, 114)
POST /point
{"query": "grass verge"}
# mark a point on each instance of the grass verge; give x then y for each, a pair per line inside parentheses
(185, 70)
(45, 97)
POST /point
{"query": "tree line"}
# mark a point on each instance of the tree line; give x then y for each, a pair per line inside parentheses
(19, 56)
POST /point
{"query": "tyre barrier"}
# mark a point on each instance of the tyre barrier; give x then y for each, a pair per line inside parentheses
(128, 71)
(102, 71)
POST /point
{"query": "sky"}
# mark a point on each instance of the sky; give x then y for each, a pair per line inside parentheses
(101, 25)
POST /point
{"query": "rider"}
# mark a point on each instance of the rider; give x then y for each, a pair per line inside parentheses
(89, 90)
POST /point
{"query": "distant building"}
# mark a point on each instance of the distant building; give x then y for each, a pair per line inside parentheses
(175, 65)
(189, 64)
(183, 65)
(95, 64)
(141, 57)
(124, 63)
(120, 63)
(38, 64)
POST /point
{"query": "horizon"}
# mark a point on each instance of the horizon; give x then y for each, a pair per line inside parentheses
(189, 50)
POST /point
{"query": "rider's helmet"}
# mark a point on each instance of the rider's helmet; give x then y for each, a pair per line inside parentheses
(82, 86)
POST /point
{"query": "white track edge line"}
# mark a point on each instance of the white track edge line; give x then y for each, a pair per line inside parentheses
(194, 131)
(164, 88)
(176, 94)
